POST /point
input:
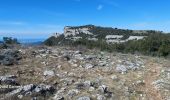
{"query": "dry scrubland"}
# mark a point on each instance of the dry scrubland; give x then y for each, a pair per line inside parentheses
(65, 73)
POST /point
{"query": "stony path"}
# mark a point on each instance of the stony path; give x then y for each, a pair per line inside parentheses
(151, 75)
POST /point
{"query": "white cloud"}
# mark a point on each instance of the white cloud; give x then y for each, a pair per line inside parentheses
(39, 28)
(12, 23)
(100, 7)
(110, 2)
(141, 25)
(30, 30)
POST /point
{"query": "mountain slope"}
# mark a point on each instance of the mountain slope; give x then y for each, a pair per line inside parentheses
(91, 32)
(148, 42)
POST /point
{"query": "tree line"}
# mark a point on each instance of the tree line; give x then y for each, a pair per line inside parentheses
(157, 44)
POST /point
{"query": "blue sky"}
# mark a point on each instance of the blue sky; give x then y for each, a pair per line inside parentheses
(40, 18)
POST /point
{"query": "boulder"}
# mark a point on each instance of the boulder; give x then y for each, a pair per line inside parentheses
(44, 88)
(10, 57)
(7, 61)
(13, 53)
(103, 89)
(9, 79)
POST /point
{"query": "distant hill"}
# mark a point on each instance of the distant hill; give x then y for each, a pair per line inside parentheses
(94, 33)
(100, 32)
(148, 42)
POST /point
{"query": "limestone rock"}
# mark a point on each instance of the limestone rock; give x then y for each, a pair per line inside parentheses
(84, 98)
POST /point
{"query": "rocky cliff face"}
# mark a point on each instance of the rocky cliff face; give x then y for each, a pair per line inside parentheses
(110, 35)
(72, 31)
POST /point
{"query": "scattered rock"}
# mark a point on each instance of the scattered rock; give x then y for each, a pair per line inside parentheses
(84, 98)
(59, 94)
(9, 79)
(78, 52)
(10, 57)
(103, 89)
(90, 57)
(7, 61)
(23, 90)
(91, 89)
(20, 96)
(132, 66)
(88, 75)
(44, 88)
(101, 97)
(121, 69)
(87, 84)
(34, 98)
(67, 58)
(162, 84)
(72, 93)
(58, 98)
(88, 66)
(102, 63)
(31, 88)
(80, 86)
(114, 77)
(140, 82)
(67, 81)
(49, 73)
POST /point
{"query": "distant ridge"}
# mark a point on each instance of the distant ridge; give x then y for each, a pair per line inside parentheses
(27, 41)
(94, 33)
(148, 42)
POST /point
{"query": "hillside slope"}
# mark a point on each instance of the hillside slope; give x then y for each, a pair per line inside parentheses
(148, 42)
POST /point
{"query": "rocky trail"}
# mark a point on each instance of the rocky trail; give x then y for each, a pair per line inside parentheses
(153, 73)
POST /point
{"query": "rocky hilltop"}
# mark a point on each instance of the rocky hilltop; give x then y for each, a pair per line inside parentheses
(67, 73)
(110, 35)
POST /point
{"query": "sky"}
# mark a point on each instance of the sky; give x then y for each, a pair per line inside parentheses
(41, 18)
